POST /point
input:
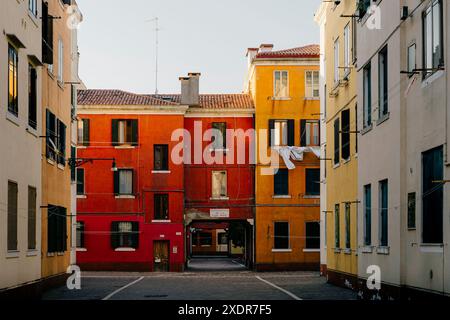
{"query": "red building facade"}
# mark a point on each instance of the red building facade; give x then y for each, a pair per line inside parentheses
(130, 194)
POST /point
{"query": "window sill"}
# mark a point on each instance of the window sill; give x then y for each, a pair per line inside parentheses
(81, 250)
(125, 250)
(312, 99)
(51, 162)
(383, 250)
(12, 118)
(336, 165)
(281, 98)
(345, 161)
(311, 250)
(281, 197)
(161, 221)
(281, 250)
(60, 84)
(82, 147)
(60, 254)
(366, 129)
(337, 250)
(432, 248)
(431, 78)
(12, 254)
(311, 197)
(220, 199)
(61, 167)
(125, 197)
(83, 196)
(367, 249)
(161, 172)
(32, 253)
(50, 73)
(348, 251)
(383, 119)
(50, 254)
(124, 147)
(32, 131)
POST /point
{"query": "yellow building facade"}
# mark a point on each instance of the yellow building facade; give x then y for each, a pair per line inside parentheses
(341, 143)
(57, 101)
(285, 89)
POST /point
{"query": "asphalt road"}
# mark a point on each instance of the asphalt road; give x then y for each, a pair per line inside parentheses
(217, 279)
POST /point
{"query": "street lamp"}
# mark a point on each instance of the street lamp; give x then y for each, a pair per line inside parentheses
(78, 162)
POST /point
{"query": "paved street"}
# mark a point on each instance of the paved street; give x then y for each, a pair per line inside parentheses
(207, 279)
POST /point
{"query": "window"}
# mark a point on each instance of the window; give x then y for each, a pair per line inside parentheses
(73, 169)
(281, 236)
(337, 227)
(125, 235)
(219, 141)
(433, 196)
(222, 238)
(123, 182)
(281, 182)
(337, 141)
(336, 62)
(161, 157)
(32, 7)
(124, 132)
(347, 226)
(13, 78)
(281, 133)
(51, 135)
(433, 49)
(367, 98)
(32, 197)
(412, 211)
(205, 239)
(345, 134)
(80, 182)
(47, 37)
(56, 229)
(363, 6)
(312, 84)
(61, 143)
(80, 234)
(281, 84)
(357, 129)
(367, 215)
(12, 215)
(412, 64)
(219, 184)
(161, 207)
(83, 132)
(347, 48)
(310, 133)
(312, 235)
(313, 182)
(32, 97)
(73, 101)
(383, 82)
(384, 209)
(60, 61)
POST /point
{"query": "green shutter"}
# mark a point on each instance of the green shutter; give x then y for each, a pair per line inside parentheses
(303, 133)
(115, 132)
(134, 133)
(135, 237)
(86, 132)
(291, 133)
(116, 182)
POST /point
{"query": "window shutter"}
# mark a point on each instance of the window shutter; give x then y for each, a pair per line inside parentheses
(63, 219)
(86, 132)
(115, 235)
(291, 133)
(47, 132)
(302, 133)
(134, 132)
(135, 229)
(271, 129)
(336, 142)
(116, 182)
(115, 132)
(47, 35)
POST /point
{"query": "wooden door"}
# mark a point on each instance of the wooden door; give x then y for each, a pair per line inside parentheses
(161, 256)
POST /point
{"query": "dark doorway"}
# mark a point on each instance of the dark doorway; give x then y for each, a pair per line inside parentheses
(161, 256)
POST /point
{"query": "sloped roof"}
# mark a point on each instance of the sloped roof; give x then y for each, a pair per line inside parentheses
(218, 101)
(310, 51)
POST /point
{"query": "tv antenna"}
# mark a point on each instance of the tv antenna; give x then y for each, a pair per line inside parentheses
(157, 29)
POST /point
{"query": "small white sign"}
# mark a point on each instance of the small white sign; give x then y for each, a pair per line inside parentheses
(175, 250)
(179, 234)
(220, 213)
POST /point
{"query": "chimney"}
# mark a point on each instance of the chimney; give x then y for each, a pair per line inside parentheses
(266, 47)
(190, 89)
(251, 54)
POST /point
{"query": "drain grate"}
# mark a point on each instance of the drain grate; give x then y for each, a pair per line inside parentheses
(156, 296)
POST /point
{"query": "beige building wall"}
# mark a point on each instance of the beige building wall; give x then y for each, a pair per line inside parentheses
(20, 145)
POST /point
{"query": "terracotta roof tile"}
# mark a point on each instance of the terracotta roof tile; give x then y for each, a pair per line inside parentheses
(310, 51)
(122, 98)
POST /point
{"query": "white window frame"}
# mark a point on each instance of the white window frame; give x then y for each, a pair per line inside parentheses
(280, 137)
(347, 49)
(60, 60)
(311, 88)
(336, 62)
(281, 73)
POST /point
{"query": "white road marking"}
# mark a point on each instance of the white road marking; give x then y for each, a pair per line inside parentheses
(279, 288)
(122, 288)
(234, 261)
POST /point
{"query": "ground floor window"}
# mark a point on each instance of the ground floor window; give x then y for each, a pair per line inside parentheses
(125, 235)
(80, 234)
(312, 235)
(281, 235)
(57, 229)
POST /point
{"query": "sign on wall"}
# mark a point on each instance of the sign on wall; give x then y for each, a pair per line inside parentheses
(220, 213)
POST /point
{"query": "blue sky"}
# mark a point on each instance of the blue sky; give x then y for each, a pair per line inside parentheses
(117, 46)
